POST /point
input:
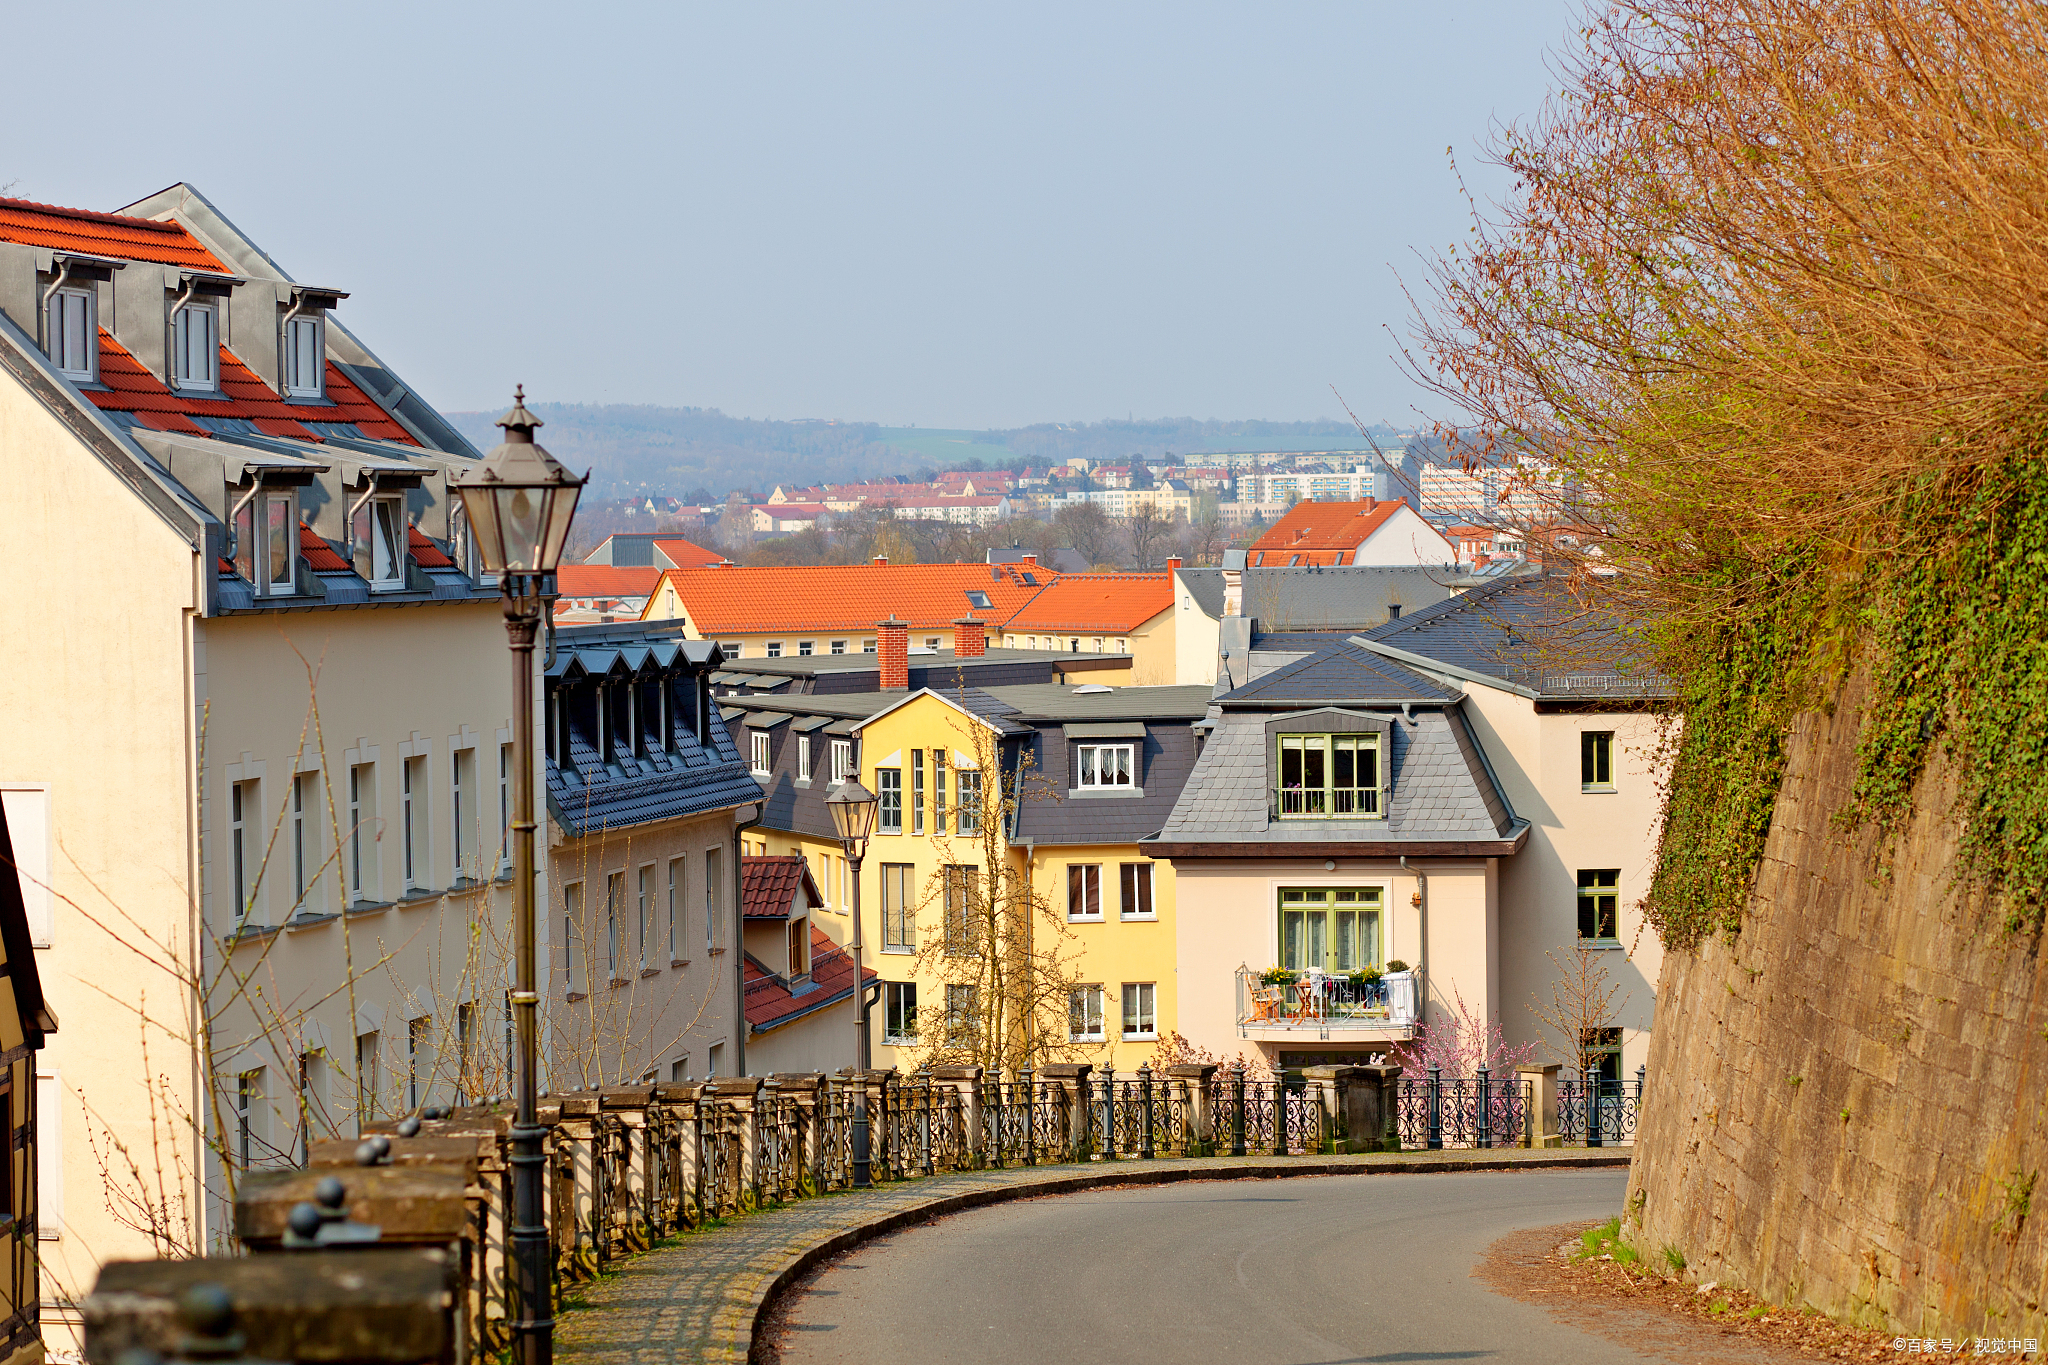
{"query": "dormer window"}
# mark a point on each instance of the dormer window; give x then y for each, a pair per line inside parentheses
(305, 357)
(73, 336)
(378, 537)
(195, 347)
(267, 541)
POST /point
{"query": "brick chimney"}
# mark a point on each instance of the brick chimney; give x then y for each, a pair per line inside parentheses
(1172, 563)
(892, 649)
(970, 638)
(1032, 560)
(881, 561)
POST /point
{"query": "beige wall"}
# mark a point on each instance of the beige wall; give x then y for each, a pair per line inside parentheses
(96, 726)
(1196, 638)
(664, 1004)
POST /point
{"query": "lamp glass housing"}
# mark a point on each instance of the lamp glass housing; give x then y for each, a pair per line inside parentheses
(853, 812)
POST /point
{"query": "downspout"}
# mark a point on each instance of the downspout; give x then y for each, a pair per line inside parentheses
(1422, 910)
(284, 333)
(171, 331)
(43, 308)
(739, 977)
(235, 515)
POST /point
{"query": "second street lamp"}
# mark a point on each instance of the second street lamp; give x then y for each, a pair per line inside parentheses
(519, 503)
(853, 818)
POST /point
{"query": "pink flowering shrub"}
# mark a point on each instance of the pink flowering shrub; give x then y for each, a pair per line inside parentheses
(1460, 1045)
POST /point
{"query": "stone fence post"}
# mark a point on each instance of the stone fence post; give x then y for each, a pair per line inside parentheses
(965, 1082)
(804, 1087)
(576, 1145)
(1542, 1104)
(1342, 1092)
(1073, 1079)
(1198, 1078)
(740, 1098)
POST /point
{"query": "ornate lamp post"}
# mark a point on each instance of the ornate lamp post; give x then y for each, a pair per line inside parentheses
(853, 816)
(520, 501)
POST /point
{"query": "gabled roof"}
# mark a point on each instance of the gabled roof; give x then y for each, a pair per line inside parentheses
(1118, 602)
(1339, 597)
(685, 554)
(104, 234)
(769, 884)
(771, 1001)
(1340, 672)
(605, 580)
(847, 598)
(1311, 527)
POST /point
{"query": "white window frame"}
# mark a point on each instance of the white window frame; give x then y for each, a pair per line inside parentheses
(1141, 1011)
(731, 648)
(899, 1003)
(806, 648)
(381, 514)
(1137, 886)
(360, 806)
(842, 760)
(645, 906)
(758, 752)
(678, 875)
(774, 649)
(614, 894)
(207, 378)
(1118, 761)
(412, 805)
(302, 865)
(889, 800)
(244, 800)
(1085, 1005)
(504, 807)
(572, 911)
(899, 911)
(803, 758)
(83, 367)
(270, 566)
(839, 646)
(313, 325)
(458, 761)
(1090, 873)
(714, 900)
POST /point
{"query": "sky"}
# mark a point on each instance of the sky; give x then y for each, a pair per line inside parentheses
(948, 215)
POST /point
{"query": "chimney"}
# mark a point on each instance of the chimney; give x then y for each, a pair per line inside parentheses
(881, 561)
(970, 638)
(1172, 563)
(1032, 560)
(892, 649)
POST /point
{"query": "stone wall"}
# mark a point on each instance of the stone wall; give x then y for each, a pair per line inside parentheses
(1847, 1103)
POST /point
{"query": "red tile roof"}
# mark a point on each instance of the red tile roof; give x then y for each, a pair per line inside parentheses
(605, 580)
(425, 552)
(320, 556)
(684, 554)
(769, 883)
(770, 1002)
(841, 597)
(104, 234)
(1118, 602)
(131, 388)
(1321, 532)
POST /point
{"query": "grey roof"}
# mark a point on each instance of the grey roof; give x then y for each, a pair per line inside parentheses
(1532, 634)
(1059, 561)
(1441, 792)
(1349, 597)
(1340, 672)
(1057, 701)
(1205, 586)
(695, 780)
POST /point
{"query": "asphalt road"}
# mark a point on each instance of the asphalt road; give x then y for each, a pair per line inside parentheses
(1313, 1271)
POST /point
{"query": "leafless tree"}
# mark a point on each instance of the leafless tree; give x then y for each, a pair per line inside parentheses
(1583, 1001)
(1086, 527)
(1148, 528)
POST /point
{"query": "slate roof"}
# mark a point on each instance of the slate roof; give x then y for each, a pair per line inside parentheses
(770, 1001)
(1339, 672)
(1205, 586)
(769, 883)
(1346, 597)
(1532, 634)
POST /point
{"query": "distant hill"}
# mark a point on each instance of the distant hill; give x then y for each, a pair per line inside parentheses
(676, 451)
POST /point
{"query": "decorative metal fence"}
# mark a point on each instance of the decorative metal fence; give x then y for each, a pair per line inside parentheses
(1615, 1105)
(1466, 1111)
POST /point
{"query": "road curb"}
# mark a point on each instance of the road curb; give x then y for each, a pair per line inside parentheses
(799, 1262)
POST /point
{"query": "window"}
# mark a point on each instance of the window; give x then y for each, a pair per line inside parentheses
(806, 648)
(465, 1055)
(799, 947)
(803, 758)
(1330, 929)
(461, 778)
(369, 1076)
(248, 1089)
(1084, 1014)
(1600, 1056)
(675, 913)
(917, 791)
(71, 333)
(614, 911)
(758, 741)
(931, 642)
(195, 347)
(714, 900)
(963, 1014)
(899, 1013)
(1599, 894)
(889, 789)
(305, 358)
(412, 799)
(1084, 891)
(842, 760)
(939, 790)
(643, 916)
(1139, 1021)
(1105, 765)
(242, 842)
(266, 542)
(504, 806)
(898, 930)
(361, 800)
(378, 538)
(775, 649)
(572, 925)
(839, 646)
(867, 646)
(1596, 760)
(1073, 645)
(304, 831)
(1122, 647)
(963, 894)
(1137, 891)
(730, 648)
(1098, 644)
(977, 599)
(1324, 776)
(419, 1045)
(967, 810)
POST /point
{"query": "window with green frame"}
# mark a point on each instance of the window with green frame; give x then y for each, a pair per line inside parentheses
(1323, 777)
(1330, 928)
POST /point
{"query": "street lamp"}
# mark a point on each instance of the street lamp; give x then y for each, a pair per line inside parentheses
(853, 817)
(519, 502)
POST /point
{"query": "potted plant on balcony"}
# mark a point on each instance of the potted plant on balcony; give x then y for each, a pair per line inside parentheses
(1401, 990)
(1276, 976)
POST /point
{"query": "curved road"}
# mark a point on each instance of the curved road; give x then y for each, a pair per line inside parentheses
(1307, 1271)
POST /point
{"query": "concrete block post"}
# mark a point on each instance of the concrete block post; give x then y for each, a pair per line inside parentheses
(803, 1088)
(965, 1083)
(1346, 1106)
(1199, 1079)
(1073, 1079)
(740, 1098)
(1375, 1119)
(1542, 1104)
(632, 1162)
(576, 1148)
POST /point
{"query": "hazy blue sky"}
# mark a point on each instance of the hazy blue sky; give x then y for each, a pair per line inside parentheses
(966, 215)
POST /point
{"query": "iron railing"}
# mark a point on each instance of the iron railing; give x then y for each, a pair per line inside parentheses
(1615, 1104)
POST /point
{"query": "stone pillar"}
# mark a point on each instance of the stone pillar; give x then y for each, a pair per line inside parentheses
(576, 1146)
(1347, 1115)
(802, 1088)
(1073, 1079)
(1376, 1116)
(740, 1097)
(1199, 1078)
(632, 1167)
(965, 1082)
(1542, 1104)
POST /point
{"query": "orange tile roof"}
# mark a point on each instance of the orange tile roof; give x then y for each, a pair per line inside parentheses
(320, 556)
(848, 597)
(686, 554)
(104, 234)
(425, 552)
(131, 388)
(1096, 601)
(605, 580)
(1313, 527)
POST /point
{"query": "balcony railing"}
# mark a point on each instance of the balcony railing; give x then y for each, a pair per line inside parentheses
(1321, 1001)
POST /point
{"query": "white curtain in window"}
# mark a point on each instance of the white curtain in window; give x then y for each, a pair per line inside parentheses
(387, 527)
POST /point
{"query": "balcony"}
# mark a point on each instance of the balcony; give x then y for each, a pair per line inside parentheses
(1317, 1005)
